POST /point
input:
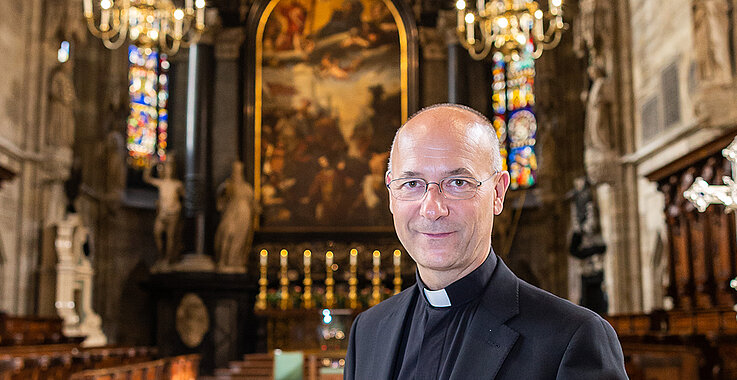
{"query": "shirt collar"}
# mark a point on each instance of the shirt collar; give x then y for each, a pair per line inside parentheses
(462, 290)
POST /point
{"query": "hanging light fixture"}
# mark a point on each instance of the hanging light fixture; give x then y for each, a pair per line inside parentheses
(509, 26)
(148, 23)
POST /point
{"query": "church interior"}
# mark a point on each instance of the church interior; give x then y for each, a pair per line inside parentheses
(195, 189)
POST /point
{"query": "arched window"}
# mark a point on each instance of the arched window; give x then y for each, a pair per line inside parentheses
(148, 86)
(513, 99)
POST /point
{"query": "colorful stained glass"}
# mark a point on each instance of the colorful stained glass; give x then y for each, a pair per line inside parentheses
(514, 119)
(149, 94)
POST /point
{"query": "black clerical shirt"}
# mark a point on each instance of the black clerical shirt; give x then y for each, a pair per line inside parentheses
(435, 330)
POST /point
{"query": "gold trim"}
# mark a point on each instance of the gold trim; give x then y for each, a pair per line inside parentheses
(258, 101)
(257, 107)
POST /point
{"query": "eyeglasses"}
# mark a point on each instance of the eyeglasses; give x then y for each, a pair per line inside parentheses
(454, 187)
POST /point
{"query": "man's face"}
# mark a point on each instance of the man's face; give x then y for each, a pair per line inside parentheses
(442, 235)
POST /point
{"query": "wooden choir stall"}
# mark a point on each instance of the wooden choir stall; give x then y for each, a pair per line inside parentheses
(697, 337)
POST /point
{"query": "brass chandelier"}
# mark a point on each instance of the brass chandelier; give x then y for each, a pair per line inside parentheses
(148, 23)
(509, 26)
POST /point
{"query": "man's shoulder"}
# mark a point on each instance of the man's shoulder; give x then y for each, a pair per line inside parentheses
(389, 306)
(537, 306)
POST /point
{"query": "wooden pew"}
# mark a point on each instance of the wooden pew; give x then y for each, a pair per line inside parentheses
(261, 367)
(60, 361)
(17, 331)
(184, 367)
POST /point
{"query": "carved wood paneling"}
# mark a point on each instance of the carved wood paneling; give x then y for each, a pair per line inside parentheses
(702, 245)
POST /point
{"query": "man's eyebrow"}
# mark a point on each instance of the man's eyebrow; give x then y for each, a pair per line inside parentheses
(459, 171)
(413, 174)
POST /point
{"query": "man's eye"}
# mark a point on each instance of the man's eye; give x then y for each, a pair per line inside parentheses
(459, 182)
(410, 184)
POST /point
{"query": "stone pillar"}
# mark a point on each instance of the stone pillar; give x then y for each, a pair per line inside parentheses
(196, 257)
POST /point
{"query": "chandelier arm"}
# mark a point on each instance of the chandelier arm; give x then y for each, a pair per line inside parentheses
(107, 34)
(174, 46)
(484, 52)
(92, 28)
(122, 32)
(554, 42)
(192, 41)
(538, 52)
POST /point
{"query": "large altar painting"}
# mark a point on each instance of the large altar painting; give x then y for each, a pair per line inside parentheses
(331, 90)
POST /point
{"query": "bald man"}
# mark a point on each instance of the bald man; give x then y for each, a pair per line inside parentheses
(468, 316)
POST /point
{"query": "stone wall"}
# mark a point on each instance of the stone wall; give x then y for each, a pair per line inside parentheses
(672, 116)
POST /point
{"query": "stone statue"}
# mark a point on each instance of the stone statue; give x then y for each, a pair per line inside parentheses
(62, 102)
(168, 210)
(587, 244)
(235, 231)
(599, 155)
(711, 30)
(594, 32)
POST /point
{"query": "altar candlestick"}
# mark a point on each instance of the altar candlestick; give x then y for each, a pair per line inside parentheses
(284, 280)
(329, 282)
(353, 280)
(307, 297)
(376, 280)
(397, 271)
(263, 282)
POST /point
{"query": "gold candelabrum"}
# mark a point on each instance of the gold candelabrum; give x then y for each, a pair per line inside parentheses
(263, 282)
(307, 296)
(148, 23)
(509, 26)
(353, 280)
(376, 280)
(397, 271)
(329, 282)
(284, 281)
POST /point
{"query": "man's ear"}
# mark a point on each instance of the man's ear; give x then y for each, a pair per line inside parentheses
(500, 190)
(387, 179)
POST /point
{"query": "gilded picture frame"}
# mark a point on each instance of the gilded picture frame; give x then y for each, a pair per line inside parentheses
(332, 81)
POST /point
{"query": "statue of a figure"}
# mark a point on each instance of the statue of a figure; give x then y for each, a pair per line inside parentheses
(599, 153)
(593, 34)
(711, 29)
(62, 102)
(168, 210)
(587, 244)
(598, 101)
(235, 231)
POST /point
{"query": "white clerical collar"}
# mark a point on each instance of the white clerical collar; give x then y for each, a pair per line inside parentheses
(437, 298)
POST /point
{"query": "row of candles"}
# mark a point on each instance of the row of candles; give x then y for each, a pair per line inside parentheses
(501, 11)
(329, 281)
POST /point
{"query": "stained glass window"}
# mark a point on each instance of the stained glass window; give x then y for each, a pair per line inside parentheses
(514, 119)
(148, 77)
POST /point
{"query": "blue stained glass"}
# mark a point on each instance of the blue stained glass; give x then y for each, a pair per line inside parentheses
(514, 119)
(149, 94)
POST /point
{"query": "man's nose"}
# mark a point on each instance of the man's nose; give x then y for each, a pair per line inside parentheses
(433, 204)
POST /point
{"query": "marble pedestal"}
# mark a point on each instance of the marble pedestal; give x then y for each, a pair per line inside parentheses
(206, 313)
